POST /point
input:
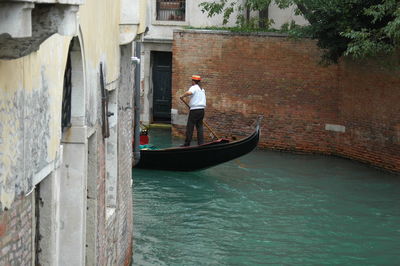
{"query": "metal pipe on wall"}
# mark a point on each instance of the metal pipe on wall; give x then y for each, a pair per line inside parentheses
(136, 98)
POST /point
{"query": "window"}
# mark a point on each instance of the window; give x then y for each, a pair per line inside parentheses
(66, 101)
(171, 10)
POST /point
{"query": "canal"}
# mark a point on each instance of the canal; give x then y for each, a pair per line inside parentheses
(266, 208)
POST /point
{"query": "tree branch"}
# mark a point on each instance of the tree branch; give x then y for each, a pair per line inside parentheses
(306, 12)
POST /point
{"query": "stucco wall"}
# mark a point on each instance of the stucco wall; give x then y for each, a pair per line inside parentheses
(30, 125)
(31, 89)
(32, 145)
(99, 21)
(348, 109)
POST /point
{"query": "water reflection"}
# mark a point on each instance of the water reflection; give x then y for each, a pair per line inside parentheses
(267, 208)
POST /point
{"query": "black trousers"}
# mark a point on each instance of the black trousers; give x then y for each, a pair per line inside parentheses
(195, 119)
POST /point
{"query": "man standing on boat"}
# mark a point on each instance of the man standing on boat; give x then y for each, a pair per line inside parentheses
(197, 104)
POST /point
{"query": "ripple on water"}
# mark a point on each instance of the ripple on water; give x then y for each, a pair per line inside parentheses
(269, 208)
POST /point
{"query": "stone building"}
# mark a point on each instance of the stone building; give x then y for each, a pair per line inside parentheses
(66, 123)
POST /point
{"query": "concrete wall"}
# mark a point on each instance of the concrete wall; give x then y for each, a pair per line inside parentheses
(348, 109)
(67, 170)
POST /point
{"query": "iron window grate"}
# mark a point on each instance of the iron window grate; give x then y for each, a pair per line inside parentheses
(171, 10)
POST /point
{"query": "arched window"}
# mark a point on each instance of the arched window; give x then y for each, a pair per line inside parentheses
(66, 101)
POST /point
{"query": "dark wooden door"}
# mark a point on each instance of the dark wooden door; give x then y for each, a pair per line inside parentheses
(162, 70)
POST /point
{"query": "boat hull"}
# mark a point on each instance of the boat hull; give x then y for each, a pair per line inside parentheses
(197, 157)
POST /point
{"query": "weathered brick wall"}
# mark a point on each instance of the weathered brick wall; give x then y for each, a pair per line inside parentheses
(250, 74)
(16, 233)
(112, 241)
(369, 107)
(114, 238)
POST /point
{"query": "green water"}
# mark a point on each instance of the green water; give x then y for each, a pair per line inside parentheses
(267, 208)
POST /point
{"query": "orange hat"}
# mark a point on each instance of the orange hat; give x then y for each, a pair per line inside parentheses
(196, 77)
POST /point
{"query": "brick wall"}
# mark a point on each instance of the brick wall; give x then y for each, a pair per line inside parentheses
(250, 74)
(369, 106)
(114, 233)
(16, 233)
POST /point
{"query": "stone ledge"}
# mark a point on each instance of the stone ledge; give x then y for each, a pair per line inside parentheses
(335, 128)
(227, 32)
(63, 2)
(24, 25)
(129, 21)
(127, 33)
(76, 135)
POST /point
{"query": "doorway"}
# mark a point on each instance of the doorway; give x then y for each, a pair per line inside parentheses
(161, 77)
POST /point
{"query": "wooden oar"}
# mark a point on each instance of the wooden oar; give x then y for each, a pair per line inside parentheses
(204, 122)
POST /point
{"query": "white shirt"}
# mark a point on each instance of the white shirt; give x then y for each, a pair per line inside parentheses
(198, 98)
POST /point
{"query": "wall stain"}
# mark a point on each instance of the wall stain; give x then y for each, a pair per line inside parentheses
(24, 137)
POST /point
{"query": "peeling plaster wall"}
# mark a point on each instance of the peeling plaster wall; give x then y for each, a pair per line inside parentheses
(31, 93)
(31, 150)
(23, 34)
(11, 144)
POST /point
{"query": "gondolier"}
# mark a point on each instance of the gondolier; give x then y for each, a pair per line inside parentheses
(195, 158)
(197, 105)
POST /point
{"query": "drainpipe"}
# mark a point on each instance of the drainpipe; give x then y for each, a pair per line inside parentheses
(136, 98)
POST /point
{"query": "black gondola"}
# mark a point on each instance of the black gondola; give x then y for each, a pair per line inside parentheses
(198, 157)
